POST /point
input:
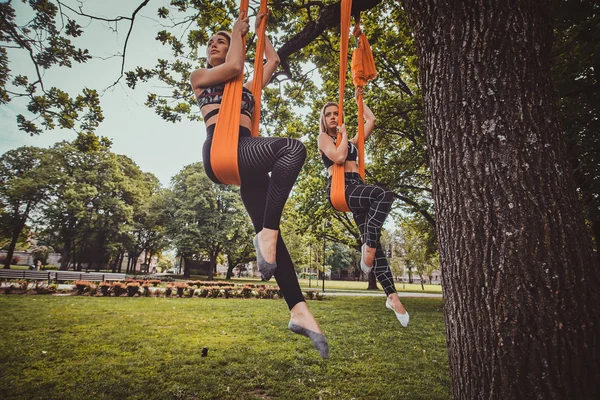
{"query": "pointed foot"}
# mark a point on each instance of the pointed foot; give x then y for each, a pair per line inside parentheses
(318, 339)
(266, 269)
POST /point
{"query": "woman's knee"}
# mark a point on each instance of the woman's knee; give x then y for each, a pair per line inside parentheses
(297, 149)
(388, 196)
(384, 195)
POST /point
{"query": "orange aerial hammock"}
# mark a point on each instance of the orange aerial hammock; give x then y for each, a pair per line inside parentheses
(363, 70)
(224, 149)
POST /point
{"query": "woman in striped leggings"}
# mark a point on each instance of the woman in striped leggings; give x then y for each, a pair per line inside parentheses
(370, 205)
(264, 196)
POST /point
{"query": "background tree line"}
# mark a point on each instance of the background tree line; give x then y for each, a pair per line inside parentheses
(97, 207)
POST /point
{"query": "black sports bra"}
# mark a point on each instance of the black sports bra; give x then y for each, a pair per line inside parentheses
(351, 156)
(214, 95)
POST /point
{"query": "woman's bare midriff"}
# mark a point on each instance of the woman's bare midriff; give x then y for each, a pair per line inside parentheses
(349, 166)
(245, 120)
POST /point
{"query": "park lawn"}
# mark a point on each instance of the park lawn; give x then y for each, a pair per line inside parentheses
(74, 347)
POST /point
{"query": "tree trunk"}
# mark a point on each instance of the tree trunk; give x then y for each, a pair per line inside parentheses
(187, 270)
(118, 262)
(11, 248)
(230, 266)
(520, 279)
(372, 281)
(18, 228)
(212, 265)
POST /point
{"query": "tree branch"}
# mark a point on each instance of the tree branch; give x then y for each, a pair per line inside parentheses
(329, 17)
(116, 19)
(16, 37)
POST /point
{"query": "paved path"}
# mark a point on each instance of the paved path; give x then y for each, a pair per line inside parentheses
(377, 294)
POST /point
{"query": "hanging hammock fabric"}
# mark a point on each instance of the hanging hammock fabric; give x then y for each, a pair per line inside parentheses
(337, 195)
(363, 70)
(223, 152)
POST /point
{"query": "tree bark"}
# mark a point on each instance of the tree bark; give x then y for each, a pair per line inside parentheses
(212, 266)
(20, 221)
(372, 281)
(520, 279)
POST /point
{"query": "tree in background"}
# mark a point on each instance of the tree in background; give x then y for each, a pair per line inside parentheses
(90, 210)
(239, 248)
(416, 254)
(203, 217)
(25, 181)
(340, 257)
(576, 76)
(418, 247)
(165, 262)
(147, 232)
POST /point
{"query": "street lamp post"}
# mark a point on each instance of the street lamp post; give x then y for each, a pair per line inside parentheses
(324, 258)
(324, 254)
(310, 266)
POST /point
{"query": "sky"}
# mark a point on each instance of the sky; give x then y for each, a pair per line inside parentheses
(160, 147)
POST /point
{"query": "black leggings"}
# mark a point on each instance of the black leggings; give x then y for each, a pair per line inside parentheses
(370, 206)
(265, 196)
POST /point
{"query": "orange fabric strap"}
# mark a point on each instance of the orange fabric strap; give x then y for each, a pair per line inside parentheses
(363, 70)
(257, 81)
(223, 152)
(338, 187)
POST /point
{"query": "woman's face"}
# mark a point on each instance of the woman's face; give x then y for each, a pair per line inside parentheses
(331, 117)
(216, 50)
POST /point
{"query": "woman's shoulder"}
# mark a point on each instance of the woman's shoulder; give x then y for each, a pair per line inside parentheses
(324, 139)
(322, 136)
(197, 73)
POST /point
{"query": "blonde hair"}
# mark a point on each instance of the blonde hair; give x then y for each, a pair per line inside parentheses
(322, 123)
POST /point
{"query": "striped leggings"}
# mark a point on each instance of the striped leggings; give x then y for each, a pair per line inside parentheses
(370, 206)
(265, 196)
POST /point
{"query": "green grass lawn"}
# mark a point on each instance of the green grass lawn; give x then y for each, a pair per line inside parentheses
(79, 347)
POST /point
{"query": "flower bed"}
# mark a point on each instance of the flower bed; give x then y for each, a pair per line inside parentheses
(146, 288)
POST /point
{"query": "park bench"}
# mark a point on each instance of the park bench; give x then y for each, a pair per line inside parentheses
(86, 276)
(60, 276)
(26, 274)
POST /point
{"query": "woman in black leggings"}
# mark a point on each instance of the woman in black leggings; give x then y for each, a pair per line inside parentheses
(264, 196)
(370, 205)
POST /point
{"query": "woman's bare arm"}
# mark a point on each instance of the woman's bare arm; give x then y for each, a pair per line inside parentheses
(336, 154)
(234, 62)
(270, 54)
(369, 119)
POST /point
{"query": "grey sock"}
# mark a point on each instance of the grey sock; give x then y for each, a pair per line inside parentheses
(266, 269)
(318, 339)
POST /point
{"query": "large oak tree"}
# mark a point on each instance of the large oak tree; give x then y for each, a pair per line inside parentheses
(521, 282)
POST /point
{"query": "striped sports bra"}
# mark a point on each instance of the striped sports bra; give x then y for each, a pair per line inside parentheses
(351, 156)
(214, 95)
